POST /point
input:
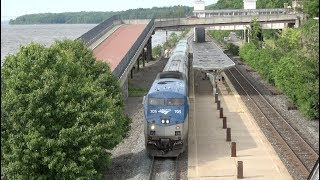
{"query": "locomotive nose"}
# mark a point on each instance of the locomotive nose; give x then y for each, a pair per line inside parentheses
(165, 143)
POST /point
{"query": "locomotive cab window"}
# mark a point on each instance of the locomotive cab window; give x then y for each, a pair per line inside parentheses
(156, 101)
(175, 102)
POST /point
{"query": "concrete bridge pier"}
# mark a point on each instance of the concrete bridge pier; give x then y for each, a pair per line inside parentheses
(149, 49)
(246, 35)
(143, 57)
(124, 87)
(166, 36)
(138, 62)
(131, 73)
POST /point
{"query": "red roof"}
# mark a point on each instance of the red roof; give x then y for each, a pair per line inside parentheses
(116, 46)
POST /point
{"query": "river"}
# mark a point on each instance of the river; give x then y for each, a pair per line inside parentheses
(14, 36)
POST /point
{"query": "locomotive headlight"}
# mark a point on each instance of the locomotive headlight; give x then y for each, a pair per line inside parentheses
(167, 121)
(152, 127)
(163, 121)
(177, 127)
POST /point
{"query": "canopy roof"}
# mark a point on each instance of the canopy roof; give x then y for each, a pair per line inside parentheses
(208, 56)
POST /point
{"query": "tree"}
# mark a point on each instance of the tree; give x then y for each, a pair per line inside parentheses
(60, 111)
(311, 7)
(227, 4)
(255, 32)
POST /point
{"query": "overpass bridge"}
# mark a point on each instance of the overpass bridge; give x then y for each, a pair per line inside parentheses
(232, 19)
(124, 43)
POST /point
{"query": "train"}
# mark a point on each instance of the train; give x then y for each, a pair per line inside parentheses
(166, 107)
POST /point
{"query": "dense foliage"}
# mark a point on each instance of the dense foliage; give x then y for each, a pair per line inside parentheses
(60, 111)
(291, 62)
(219, 37)
(272, 3)
(311, 7)
(226, 4)
(238, 4)
(98, 17)
(157, 51)
(172, 40)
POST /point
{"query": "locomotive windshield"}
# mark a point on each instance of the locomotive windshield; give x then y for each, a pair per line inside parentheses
(175, 102)
(168, 102)
(156, 101)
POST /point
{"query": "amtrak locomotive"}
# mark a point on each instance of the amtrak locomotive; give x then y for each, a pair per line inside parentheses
(166, 107)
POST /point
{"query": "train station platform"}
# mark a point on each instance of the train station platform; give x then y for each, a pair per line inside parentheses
(116, 46)
(209, 154)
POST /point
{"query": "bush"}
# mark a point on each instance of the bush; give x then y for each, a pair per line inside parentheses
(233, 49)
(291, 62)
(61, 110)
(156, 51)
(169, 44)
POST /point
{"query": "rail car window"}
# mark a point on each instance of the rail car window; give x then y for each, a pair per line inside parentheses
(175, 102)
(156, 101)
(170, 75)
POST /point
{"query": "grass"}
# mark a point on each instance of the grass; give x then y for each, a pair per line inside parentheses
(136, 91)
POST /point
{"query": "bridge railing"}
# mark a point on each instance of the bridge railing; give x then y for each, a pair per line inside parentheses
(118, 71)
(243, 12)
(98, 31)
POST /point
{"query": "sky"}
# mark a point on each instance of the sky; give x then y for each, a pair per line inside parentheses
(14, 8)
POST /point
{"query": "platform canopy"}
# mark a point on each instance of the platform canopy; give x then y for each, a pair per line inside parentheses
(208, 56)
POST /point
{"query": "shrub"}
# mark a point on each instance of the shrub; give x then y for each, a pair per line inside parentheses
(156, 51)
(60, 111)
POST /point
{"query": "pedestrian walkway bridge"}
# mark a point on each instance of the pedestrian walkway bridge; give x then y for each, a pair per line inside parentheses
(123, 43)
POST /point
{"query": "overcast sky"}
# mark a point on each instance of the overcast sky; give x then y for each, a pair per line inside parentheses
(14, 8)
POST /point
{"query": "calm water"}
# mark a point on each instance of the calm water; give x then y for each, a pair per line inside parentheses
(13, 36)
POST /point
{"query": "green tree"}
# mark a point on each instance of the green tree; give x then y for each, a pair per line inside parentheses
(98, 17)
(291, 62)
(227, 4)
(289, 40)
(60, 111)
(255, 31)
(311, 7)
(156, 51)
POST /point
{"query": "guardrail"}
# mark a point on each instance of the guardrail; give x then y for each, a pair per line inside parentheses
(98, 31)
(133, 50)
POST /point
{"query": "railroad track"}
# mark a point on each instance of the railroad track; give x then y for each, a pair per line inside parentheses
(164, 169)
(299, 153)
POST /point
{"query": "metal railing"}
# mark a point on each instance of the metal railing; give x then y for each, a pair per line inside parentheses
(98, 31)
(118, 71)
(243, 12)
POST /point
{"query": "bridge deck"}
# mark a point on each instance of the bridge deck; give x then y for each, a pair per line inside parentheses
(115, 46)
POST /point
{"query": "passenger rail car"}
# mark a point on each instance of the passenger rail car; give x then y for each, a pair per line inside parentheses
(166, 107)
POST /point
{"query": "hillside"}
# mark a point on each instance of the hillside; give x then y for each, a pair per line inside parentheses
(97, 17)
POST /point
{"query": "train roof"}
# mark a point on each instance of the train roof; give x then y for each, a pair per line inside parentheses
(169, 82)
(181, 48)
